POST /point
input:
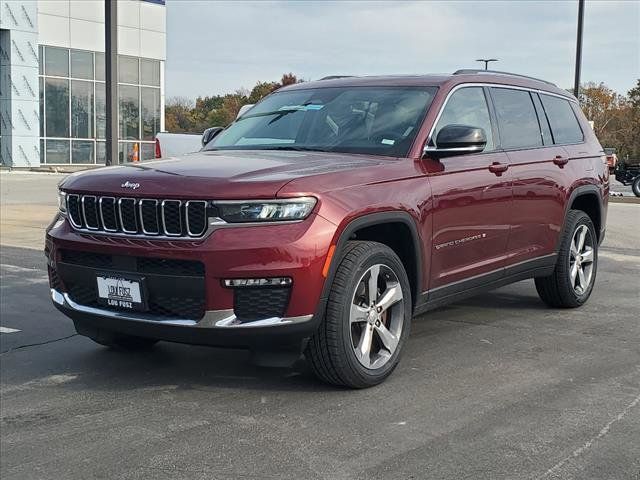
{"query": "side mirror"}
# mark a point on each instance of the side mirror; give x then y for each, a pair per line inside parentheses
(209, 134)
(457, 140)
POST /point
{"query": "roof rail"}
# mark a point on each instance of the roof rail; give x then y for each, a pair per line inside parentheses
(481, 71)
(335, 77)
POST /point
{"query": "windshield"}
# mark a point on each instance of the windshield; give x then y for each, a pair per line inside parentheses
(369, 120)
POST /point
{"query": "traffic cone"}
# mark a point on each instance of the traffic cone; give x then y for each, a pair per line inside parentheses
(136, 153)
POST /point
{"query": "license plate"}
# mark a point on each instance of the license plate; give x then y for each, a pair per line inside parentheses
(118, 292)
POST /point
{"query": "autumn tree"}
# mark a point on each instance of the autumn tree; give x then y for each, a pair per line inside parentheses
(182, 116)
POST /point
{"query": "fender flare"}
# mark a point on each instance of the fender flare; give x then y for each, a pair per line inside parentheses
(367, 220)
(575, 193)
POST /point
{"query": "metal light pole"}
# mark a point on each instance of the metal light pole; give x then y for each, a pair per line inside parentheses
(111, 74)
(576, 83)
(486, 61)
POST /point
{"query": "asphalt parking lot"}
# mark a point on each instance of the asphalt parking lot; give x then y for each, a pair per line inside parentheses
(495, 387)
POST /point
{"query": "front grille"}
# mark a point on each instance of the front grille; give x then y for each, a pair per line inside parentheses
(132, 216)
(260, 303)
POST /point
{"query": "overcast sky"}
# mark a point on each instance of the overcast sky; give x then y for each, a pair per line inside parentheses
(216, 47)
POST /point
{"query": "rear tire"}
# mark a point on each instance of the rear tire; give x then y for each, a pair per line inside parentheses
(572, 280)
(367, 319)
(636, 186)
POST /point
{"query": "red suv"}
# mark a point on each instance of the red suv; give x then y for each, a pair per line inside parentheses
(332, 212)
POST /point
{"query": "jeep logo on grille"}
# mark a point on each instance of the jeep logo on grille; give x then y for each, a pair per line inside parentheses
(130, 185)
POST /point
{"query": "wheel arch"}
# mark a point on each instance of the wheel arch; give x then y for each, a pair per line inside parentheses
(377, 227)
(588, 199)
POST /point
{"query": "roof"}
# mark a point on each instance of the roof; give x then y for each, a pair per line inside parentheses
(461, 76)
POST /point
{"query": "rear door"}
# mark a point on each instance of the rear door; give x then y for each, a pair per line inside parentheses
(471, 198)
(537, 167)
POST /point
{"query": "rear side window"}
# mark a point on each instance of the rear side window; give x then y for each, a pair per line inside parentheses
(564, 124)
(517, 119)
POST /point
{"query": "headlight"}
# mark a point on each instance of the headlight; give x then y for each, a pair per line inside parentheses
(62, 201)
(265, 210)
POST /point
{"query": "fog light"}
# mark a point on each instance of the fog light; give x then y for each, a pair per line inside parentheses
(258, 282)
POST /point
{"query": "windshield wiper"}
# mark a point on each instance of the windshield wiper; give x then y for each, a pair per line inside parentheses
(296, 148)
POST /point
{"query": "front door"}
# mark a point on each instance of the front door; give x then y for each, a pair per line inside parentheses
(472, 197)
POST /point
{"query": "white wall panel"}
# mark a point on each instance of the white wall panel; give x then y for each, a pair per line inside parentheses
(153, 44)
(129, 41)
(54, 30)
(54, 7)
(129, 13)
(92, 10)
(87, 35)
(153, 17)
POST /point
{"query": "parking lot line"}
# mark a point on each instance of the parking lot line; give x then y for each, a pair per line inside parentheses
(8, 330)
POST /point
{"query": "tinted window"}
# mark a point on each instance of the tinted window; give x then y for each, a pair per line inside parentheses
(517, 118)
(128, 70)
(373, 120)
(81, 64)
(564, 123)
(56, 92)
(56, 61)
(467, 106)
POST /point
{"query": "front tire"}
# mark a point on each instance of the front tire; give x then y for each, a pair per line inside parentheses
(572, 280)
(367, 319)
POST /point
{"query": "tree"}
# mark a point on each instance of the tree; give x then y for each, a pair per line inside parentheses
(182, 116)
(616, 118)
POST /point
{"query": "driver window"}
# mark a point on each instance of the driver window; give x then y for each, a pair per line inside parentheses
(467, 106)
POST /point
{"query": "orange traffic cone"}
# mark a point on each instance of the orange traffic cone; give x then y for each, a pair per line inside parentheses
(136, 153)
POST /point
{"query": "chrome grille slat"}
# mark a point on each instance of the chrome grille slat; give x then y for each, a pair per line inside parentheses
(144, 217)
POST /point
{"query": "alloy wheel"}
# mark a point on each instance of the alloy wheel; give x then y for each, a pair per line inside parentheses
(581, 259)
(376, 317)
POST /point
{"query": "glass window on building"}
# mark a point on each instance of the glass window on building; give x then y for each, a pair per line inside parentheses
(82, 64)
(150, 109)
(40, 59)
(82, 151)
(82, 109)
(100, 66)
(41, 81)
(149, 72)
(101, 111)
(57, 151)
(56, 98)
(128, 70)
(73, 106)
(129, 112)
(148, 151)
(56, 61)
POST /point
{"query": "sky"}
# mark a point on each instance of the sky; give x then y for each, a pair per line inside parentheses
(217, 47)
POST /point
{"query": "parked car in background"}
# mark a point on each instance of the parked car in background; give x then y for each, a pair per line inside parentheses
(330, 214)
(628, 173)
(174, 144)
(612, 158)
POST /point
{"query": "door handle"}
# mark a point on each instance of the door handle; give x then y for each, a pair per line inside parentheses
(560, 160)
(498, 168)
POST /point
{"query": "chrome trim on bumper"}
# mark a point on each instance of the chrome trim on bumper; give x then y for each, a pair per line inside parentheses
(211, 319)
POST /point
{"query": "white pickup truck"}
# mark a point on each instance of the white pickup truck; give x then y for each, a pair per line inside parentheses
(174, 144)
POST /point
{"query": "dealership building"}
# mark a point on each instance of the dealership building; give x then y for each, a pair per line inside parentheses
(52, 81)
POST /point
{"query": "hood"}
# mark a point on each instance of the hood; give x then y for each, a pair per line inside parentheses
(215, 174)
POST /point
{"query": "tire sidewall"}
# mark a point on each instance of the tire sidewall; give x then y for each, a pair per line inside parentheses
(636, 186)
(385, 256)
(582, 219)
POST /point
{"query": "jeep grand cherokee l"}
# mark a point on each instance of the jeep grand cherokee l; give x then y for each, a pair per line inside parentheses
(332, 212)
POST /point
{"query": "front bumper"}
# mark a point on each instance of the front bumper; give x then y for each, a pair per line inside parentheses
(297, 251)
(216, 328)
